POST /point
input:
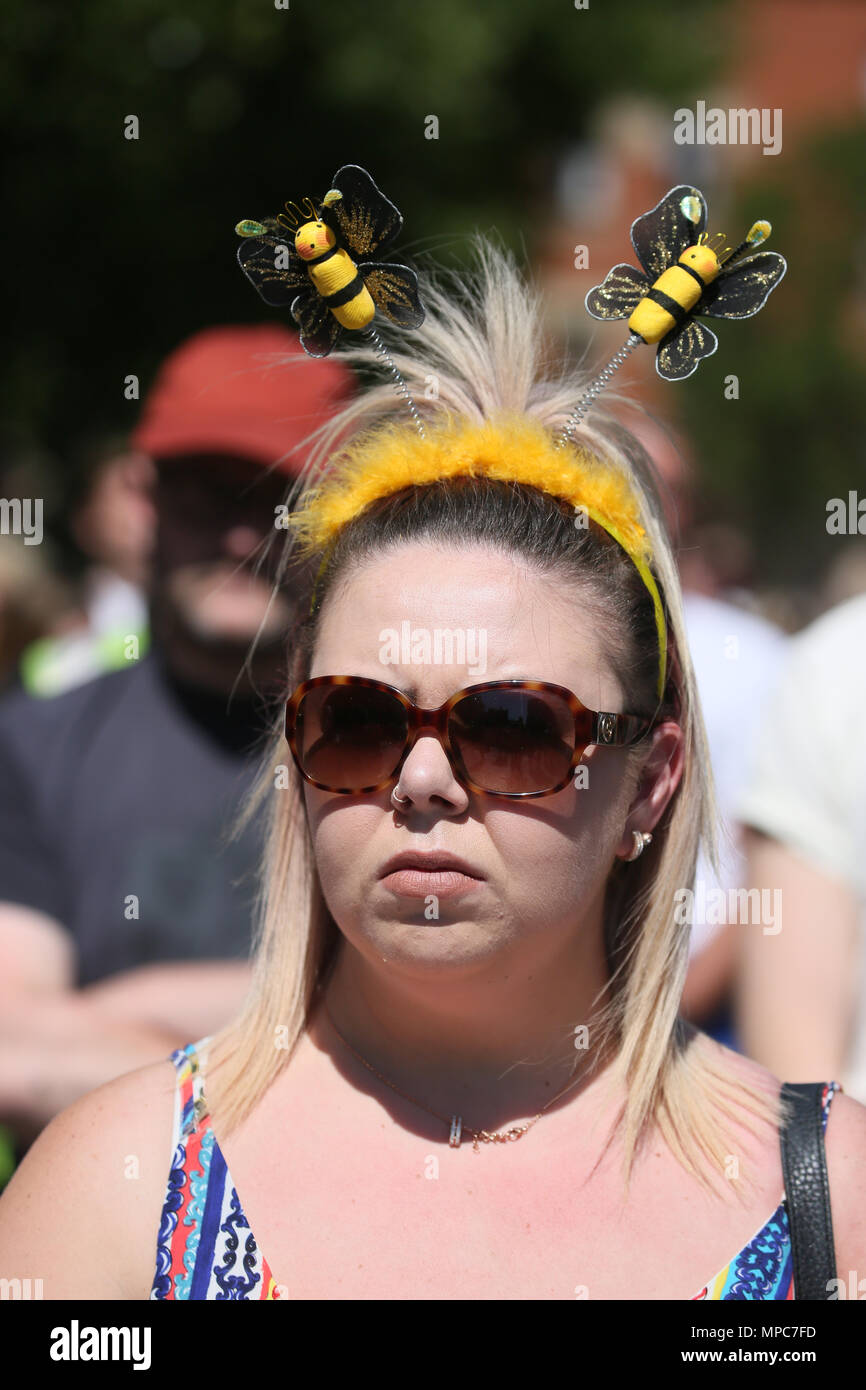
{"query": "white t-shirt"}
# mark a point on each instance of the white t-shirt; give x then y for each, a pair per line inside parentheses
(737, 657)
(808, 787)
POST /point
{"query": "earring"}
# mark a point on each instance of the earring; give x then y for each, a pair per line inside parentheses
(641, 840)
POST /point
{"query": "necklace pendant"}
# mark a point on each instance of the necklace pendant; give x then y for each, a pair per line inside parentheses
(456, 1131)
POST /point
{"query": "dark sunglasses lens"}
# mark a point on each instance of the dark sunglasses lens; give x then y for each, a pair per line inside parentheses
(349, 736)
(513, 740)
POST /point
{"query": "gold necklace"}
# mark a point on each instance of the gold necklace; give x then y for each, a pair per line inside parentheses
(479, 1136)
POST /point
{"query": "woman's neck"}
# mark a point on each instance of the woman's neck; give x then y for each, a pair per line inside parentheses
(494, 1044)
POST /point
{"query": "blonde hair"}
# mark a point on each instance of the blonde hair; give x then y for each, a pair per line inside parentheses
(482, 343)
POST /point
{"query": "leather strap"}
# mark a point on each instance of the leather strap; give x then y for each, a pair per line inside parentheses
(807, 1190)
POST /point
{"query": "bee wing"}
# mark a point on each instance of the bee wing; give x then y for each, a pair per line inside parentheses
(661, 235)
(394, 289)
(365, 219)
(681, 351)
(319, 329)
(277, 285)
(619, 294)
(745, 288)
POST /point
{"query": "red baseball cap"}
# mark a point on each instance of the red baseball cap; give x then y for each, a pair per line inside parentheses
(248, 390)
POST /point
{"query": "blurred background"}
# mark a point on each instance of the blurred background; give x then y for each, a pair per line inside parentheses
(552, 126)
(555, 127)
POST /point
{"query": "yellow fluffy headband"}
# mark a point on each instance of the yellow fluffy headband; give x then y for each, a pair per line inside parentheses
(511, 449)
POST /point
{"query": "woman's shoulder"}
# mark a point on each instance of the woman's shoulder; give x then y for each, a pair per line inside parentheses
(84, 1204)
(743, 1071)
(845, 1149)
(845, 1143)
(132, 1104)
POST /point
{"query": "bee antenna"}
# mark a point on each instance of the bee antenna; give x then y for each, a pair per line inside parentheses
(732, 252)
(757, 233)
(294, 215)
(715, 244)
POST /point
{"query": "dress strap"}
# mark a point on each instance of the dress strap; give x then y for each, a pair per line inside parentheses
(188, 1179)
(190, 1106)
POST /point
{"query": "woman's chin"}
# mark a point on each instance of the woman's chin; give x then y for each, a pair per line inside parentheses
(448, 944)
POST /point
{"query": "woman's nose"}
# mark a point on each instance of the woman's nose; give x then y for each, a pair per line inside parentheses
(427, 773)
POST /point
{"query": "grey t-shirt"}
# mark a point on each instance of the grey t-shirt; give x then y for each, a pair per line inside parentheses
(114, 797)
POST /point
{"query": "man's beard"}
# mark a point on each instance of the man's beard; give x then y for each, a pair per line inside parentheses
(213, 596)
(177, 619)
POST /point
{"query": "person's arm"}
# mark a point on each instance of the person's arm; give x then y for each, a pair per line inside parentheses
(799, 995)
(55, 1046)
(58, 1042)
(196, 997)
(797, 989)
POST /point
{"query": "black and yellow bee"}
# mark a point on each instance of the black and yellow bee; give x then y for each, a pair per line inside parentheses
(322, 268)
(685, 276)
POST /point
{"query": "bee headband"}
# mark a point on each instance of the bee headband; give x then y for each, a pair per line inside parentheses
(316, 259)
(686, 274)
(511, 449)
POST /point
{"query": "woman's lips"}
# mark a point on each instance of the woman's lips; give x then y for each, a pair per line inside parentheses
(420, 883)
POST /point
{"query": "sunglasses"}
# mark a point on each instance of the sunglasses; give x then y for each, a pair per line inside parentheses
(513, 738)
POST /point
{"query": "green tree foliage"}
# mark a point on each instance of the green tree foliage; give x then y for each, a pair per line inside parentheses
(120, 248)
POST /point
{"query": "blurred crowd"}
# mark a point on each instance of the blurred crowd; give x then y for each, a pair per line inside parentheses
(130, 719)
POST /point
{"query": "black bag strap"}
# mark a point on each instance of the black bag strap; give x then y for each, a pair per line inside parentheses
(807, 1191)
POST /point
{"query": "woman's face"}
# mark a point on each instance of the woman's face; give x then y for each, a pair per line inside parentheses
(545, 861)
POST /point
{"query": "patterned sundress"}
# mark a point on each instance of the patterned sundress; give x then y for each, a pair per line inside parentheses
(206, 1250)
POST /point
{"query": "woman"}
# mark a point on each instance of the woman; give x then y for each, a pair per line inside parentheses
(460, 1074)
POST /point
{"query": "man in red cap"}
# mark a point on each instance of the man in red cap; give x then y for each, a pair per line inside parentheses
(224, 424)
(125, 914)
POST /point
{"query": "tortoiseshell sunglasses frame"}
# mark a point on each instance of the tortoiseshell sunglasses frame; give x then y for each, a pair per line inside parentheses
(606, 729)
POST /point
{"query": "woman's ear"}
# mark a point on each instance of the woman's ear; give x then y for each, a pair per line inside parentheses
(659, 778)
